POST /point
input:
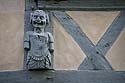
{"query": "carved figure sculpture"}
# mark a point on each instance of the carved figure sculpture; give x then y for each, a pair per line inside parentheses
(38, 43)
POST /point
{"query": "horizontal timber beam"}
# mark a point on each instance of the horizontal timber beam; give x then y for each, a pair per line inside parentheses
(62, 76)
(79, 5)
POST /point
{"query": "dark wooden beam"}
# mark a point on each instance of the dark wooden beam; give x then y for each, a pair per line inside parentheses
(89, 77)
(59, 76)
(30, 5)
(82, 5)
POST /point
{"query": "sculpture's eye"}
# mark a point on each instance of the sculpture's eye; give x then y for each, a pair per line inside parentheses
(41, 17)
(35, 16)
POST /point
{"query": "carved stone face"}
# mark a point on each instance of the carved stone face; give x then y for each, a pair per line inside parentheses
(39, 19)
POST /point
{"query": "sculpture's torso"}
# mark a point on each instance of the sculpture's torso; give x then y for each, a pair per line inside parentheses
(39, 47)
(39, 50)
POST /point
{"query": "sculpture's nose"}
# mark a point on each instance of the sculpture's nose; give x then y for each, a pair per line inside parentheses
(38, 19)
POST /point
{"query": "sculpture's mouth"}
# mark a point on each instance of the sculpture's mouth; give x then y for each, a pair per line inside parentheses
(39, 24)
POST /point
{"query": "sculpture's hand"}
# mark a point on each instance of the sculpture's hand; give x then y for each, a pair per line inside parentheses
(51, 51)
(27, 49)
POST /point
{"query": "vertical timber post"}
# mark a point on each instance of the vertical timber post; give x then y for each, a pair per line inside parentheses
(30, 6)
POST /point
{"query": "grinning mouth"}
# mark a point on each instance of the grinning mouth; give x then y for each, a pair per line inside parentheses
(39, 23)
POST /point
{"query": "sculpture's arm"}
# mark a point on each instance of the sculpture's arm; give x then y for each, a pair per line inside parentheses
(26, 41)
(51, 43)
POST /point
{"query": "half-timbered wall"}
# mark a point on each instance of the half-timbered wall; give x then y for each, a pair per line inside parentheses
(96, 30)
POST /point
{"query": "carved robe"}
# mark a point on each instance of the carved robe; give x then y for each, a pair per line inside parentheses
(38, 46)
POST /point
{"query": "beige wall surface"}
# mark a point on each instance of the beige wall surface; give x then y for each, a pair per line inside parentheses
(68, 55)
(93, 24)
(116, 55)
(11, 34)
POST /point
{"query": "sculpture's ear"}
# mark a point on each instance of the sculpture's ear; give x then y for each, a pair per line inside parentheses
(31, 17)
(47, 18)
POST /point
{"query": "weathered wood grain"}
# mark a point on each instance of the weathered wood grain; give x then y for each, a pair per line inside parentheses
(51, 76)
(86, 5)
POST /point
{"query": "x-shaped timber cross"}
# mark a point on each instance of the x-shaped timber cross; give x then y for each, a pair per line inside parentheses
(95, 53)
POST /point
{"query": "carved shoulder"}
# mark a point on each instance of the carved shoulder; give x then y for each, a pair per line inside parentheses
(26, 39)
(51, 39)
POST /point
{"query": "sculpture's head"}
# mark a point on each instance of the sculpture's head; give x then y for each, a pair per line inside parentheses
(39, 19)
